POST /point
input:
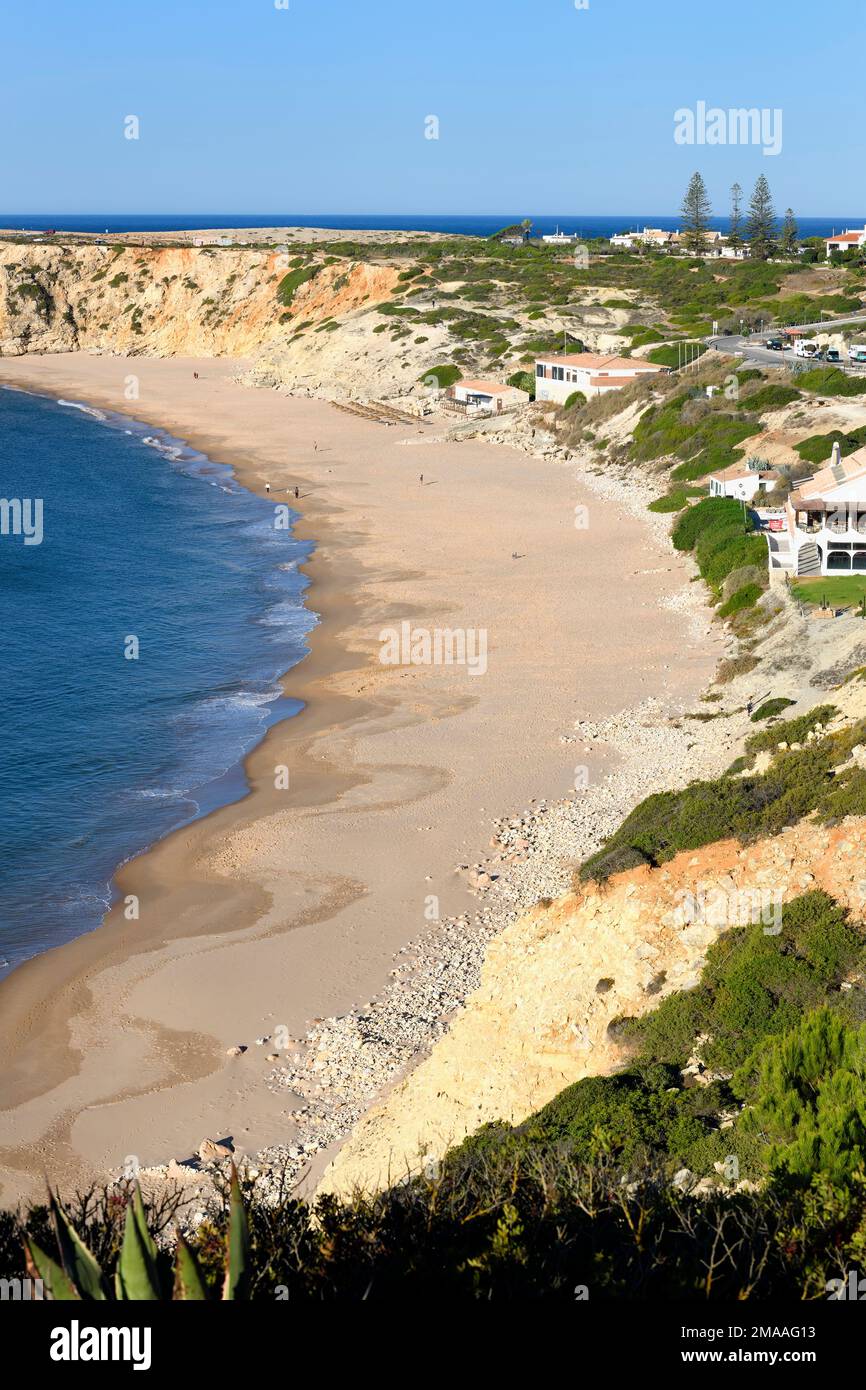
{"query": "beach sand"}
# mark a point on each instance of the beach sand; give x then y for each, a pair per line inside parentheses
(289, 906)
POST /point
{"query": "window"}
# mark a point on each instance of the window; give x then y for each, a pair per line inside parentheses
(539, 369)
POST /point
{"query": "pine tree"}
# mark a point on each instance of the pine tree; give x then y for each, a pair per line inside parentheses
(695, 213)
(790, 233)
(761, 225)
(734, 235)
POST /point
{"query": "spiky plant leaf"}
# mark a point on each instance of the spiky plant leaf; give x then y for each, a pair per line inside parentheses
(137, 1278)
(188, 1279)
(81, 1267)
(57, 1284)
(237, 1276)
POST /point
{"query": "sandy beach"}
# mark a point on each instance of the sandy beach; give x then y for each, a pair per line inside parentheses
(289, 906)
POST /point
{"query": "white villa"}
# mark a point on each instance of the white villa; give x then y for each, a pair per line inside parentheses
(844, 240)
(483, 397)
(826, 520)
(742, 482)
(560, 374)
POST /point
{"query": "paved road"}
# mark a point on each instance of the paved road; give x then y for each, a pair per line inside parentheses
(750, 346)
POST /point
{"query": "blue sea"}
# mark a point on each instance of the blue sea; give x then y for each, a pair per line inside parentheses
(101, 754)
(484, 225)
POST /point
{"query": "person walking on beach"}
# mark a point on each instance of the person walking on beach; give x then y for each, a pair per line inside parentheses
(421, 480)
(267, 487)
(297, 492)
(195, 375)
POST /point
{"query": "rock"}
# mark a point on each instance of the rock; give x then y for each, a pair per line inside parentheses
(236, 1051)
(209, 1151)
(683, 1179)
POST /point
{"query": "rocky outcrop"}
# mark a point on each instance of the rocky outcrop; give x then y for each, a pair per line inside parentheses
(552, 983)
(170, 301)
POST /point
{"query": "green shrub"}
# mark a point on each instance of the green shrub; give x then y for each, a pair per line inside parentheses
(769, 398)
(742, 598)
(671, 355)
(576, 398)
(818, 447)
(797, 782)
(791, 731)
(831, 381)
(770, 708)
(444, 375)
(807, 1099)
(292, 281)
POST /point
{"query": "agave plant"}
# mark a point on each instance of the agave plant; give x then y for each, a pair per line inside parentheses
(79, 1276)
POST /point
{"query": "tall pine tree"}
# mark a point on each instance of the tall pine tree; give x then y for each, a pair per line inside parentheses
(761, 225)
(695, 213)
(736, 219)
(789, 233)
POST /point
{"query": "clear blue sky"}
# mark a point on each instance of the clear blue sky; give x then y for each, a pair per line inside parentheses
(320, 107)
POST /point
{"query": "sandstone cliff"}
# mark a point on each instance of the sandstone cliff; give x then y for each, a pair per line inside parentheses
(171, 301)
(552, 983)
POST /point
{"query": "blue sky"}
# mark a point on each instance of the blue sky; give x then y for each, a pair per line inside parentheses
(321, 107)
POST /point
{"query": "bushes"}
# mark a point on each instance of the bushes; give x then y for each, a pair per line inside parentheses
(576, 398)
(745, 808)
(713, 512)
(719, 536)
(524, 381)
(770, 708)
(807, 1095)
(673, 501)
(791, 731)
(495, 1227)
(831, 381)
(769, 398)
(444, 376)
(292, 281)
(740, 599)
(754, 985)
(818, 447)
(674, 354)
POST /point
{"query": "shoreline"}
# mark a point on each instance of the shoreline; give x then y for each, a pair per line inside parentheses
(216, 888)
(228, 785)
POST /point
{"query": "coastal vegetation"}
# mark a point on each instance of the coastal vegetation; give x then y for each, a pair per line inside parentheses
(800, 780)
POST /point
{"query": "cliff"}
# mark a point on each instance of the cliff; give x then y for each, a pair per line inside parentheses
(173, 301)
(553, 982)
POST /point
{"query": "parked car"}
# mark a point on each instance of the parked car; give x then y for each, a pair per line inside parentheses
(775, 344)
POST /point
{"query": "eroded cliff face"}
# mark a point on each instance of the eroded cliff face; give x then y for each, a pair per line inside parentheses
(552, 983)
(190, 301)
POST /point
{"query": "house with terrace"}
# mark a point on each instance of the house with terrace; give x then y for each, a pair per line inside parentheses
(826, 520)
(483, 397)
(560, 374)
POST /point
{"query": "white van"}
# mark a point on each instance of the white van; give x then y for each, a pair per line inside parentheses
(806, 347)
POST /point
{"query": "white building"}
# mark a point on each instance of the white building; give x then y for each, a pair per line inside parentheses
(560, 374)
(826, 520)
(845, 240)
(483, 397)
(559, 238)
(742, 482)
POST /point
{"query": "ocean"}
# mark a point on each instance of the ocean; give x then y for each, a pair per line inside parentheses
(144, 540)
(583, 224)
